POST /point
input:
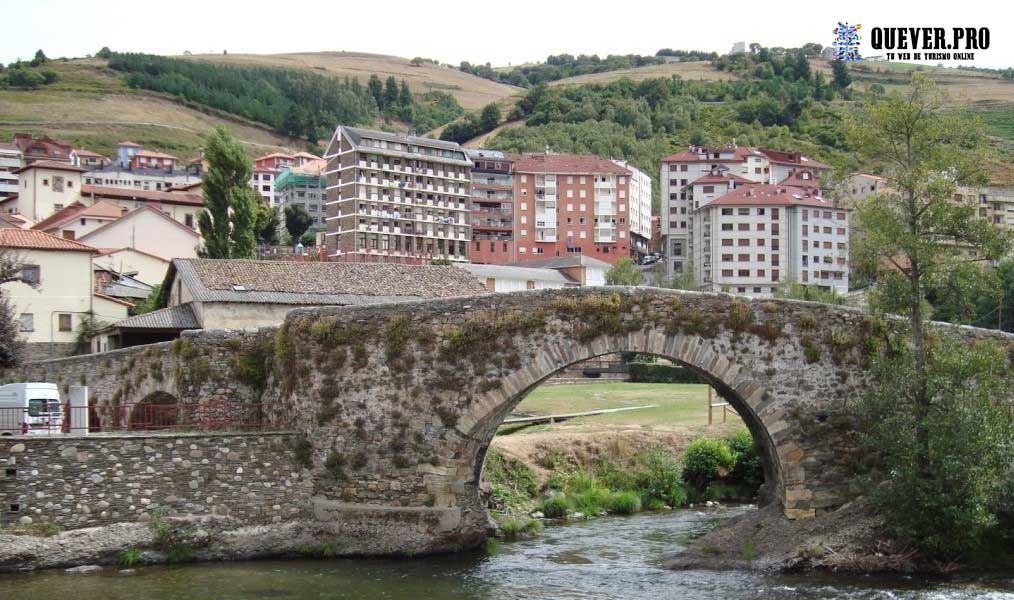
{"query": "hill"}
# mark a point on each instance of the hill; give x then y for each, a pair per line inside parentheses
(470, 91)
(92, 107)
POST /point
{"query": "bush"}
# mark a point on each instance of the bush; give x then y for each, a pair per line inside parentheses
(659, 373)
(555, 506)
(512, 529)
(660, 477)
(707, 460)
(624, 503)
(748, 470)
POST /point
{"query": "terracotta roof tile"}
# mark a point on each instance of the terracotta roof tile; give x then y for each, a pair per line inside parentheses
(771, 195)
(99, 191)
(33, 239)
(74, 210)
(566, 163)
(51, 164)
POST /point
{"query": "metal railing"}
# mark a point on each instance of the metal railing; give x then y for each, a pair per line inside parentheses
(208, 416)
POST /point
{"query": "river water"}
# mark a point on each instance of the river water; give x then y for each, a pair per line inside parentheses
(612, 557)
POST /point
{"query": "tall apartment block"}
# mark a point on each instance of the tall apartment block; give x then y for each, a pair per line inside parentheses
(492, 207)
(639, 208)
(756, 236)
(303, 186)
(394, 197)
(571, 205)
(679, 173)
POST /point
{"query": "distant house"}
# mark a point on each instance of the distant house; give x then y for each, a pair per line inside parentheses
(51, 311)
(125, 151)
(182, 206)
(149, 159)
(45, 148)
(231, 294)
(77, 219)
(149, 230)
(44, 187)
(503, 278)
(142, 266)
(88, 159)
(584, 270)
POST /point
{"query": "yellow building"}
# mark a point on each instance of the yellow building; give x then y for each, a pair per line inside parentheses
(44, 187)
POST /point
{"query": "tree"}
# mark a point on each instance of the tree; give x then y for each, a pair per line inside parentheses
(12, 345)
(152, 302)
(405, 96)
(40, 58)
(391, 93)
(623, 272)
(227, 222)
(105, 52)
(913, 232)
(297, 221)
(490, 117)
(842, 77)
(267, 222)
(376, 89)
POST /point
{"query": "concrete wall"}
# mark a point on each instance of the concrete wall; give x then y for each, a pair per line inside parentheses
(80, 481)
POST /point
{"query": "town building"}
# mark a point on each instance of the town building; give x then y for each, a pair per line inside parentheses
(183, 206)
(125, 152)
(678, 178)
(33, 149)
(146, 229)
(395, 197)
(493, 207)
(73, 221)
(231, 294)
(10, 162)
(639, 209)
(44, 187)
(56, 293)
(507, 278)
(994, 203)
(144, 179)
(303, 186)
(149, 159)
(266, 170)
(861, 185)
(585, 270)
(87, 159)
(571, 205)
(142, 266)
(759, 236)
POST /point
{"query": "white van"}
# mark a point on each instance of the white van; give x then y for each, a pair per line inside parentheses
(30, 409)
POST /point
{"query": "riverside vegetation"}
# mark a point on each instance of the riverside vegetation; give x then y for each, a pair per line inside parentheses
(711, 470)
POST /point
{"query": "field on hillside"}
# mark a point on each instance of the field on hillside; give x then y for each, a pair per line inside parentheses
(692, 70)
(471, 92)
(92, 108)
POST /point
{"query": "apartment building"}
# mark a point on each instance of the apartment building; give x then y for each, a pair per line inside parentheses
(756, 236)
(395, 197)
(45, 186)
(639, 208)
(571, 205)
(266, 170)
(144, 179)
(303, 186)
(493, 240)
(679, 173)
(10, 161)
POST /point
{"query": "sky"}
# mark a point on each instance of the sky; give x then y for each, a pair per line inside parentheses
(502, 33)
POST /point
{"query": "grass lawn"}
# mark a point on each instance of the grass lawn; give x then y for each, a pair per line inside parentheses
(677, 404)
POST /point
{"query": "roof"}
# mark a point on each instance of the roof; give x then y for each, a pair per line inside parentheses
(153, 154)
(792, 158)
(186, 186)
(566, 163)
(356, 135)
(15, 220)
(76, 210)
(108, 251)
(54, 165)
(33, 239)
(112, 299)
(772, 195)
(134, 213)
(803, 178)
(174, 197)
(130, 144)
(176, 318)
(563, 262)
(274, 155)
(721, 178)
(317, 283)
(305, 154)
(705, 154)
(83, 152)
(522, 273)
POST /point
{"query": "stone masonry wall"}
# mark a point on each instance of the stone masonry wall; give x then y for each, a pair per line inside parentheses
(85, 481)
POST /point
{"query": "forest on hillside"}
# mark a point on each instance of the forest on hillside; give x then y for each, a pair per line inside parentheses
(290, 101)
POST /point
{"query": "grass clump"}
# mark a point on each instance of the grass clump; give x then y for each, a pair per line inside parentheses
(513, 529)
(130, 557)
(555, 506)
(623, 503)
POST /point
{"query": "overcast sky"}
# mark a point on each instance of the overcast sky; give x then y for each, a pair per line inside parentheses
(500, 32)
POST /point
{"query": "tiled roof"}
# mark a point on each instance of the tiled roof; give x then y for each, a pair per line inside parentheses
(721, 178)
(83, 152)
(318, 283)
(274, 155)
(562, 262)
(175, 317)
(75, 210)
(356, 135)
(129, 144)
(804, 179)
(51, 164)
(771, 195)
(153, 154)
(481, 272)
(112, 299)
(33, 239)
(566, 163)
(792, 158)
(100, 191)
(706, 154)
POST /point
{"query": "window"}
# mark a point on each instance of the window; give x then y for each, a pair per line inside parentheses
(708, 189)
(744, 242)
(726, 242)
(188, 220)
(743, 212)
(726, 211)
(760, 226)
(31, 274)
(726, 226)
(726, 258)
(26, 322)
(743, 273)
(743, 227)
(65, 322)
(744, 258)
(774, 275)
(726, 272)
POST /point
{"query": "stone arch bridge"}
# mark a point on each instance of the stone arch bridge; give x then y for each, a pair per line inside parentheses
(399, 402)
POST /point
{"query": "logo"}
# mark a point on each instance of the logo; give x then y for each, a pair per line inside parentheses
(846, 42)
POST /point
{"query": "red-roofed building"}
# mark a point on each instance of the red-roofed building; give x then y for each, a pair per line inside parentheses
(44, 148)
(757, 236)
(266, 170)
(681, 172)
(78, 219)
(149, 159)
(88, 159)
(56, 292)
(179, 205)
(570, 204)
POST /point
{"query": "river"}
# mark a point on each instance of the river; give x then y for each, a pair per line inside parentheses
(612, 557)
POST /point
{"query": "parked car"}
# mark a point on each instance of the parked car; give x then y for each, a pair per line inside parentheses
(30, 409)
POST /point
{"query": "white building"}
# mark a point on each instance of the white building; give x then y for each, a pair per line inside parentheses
(45, 187)
(155, 180)
(638, 207)
(679, 173)
(10, 162)
(506, 278)
(757, 236)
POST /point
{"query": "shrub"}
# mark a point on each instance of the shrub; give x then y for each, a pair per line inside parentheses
(706, 460)
(748, 470)
(659, 476)
(624, 503)
(130, 557)
(658, 373)
(512, 529)
(514, 483)
(555, 506)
